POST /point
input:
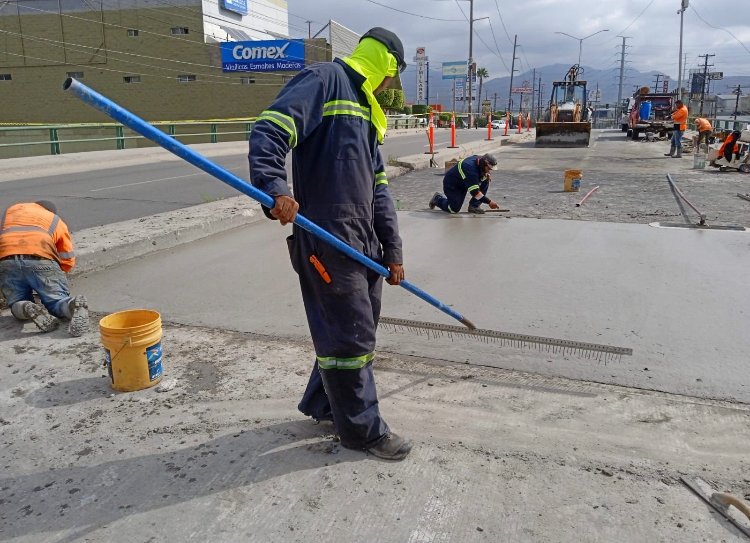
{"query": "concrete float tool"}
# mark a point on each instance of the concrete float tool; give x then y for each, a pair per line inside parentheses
(120, 114)
(721, 501)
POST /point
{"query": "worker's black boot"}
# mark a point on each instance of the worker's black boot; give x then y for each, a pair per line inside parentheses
(679, 153)
(29, 310)
(671, 151)
(477, 210)
(391, 447)
(434, 200)
(79, 319)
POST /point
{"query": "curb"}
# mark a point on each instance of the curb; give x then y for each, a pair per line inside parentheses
(106, 246)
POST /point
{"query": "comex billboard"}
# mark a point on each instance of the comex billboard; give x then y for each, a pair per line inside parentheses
(263, 56)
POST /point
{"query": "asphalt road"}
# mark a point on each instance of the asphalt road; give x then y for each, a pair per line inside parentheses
(105, 196)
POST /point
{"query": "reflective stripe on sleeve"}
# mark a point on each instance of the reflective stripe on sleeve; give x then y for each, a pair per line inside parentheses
(336, 363)
(283, 121)
(345, 107)
(381, 178)
(461, 170)
(473, 187)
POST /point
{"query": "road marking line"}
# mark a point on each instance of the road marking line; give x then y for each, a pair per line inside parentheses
(144, 182)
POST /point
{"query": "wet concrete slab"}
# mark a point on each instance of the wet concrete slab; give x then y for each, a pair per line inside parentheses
(677, 297)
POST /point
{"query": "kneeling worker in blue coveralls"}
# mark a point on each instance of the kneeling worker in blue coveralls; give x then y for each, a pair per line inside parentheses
(472, 175)
(329, 116)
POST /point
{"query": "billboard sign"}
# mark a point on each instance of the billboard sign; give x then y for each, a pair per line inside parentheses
(421, 60)
(237, 6)
(454, 70)
(716, 76)
(459, 89)
(697, 84)
(263, 56)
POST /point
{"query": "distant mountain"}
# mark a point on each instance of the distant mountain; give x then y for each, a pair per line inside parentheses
(496, 90)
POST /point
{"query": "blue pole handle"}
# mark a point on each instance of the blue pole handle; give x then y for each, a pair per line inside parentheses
(111, 109)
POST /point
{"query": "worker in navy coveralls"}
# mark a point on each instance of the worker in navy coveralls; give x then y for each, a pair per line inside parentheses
(472, 175)
(329, 118)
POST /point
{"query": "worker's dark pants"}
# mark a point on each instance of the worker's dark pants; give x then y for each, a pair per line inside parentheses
(455, 196)
(703, 136)
(342, 316)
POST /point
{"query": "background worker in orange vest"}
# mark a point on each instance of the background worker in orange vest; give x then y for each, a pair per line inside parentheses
(704, 128)
(679, 117)
(36, 251)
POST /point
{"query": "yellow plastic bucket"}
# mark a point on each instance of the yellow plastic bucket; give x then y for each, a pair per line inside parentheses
(572, 180)
(132, 343)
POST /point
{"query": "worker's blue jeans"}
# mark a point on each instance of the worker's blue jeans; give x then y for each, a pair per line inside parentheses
(20, 277)
(455, 196)
(677, 139)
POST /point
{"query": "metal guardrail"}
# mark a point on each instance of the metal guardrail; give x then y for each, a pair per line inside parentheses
(55, 141)
(55, 133)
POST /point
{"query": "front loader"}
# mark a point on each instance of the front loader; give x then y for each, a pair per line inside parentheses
(567, 121)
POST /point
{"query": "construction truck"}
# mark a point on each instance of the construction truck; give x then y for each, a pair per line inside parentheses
(650, 114)
(567, 119)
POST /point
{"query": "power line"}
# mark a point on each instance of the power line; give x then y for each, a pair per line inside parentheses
(719, 28)
(412, 14)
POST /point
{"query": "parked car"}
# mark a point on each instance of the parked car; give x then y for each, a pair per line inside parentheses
(498, 125)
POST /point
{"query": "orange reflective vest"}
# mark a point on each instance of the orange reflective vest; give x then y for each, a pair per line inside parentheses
(702, 124)
(30, 229)
(680, 116)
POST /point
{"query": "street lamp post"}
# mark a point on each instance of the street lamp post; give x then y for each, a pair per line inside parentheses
(580, 40)
(683, 7)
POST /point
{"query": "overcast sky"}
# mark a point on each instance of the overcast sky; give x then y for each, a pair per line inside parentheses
(653, 28)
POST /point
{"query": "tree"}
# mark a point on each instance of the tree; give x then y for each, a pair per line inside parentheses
(481, 74)
(391, 99)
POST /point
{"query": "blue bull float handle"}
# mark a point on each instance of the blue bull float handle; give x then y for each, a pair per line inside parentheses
(118, 113)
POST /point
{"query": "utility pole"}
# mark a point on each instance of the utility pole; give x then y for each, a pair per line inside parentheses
(683, 7)
(533, 78)
(705, 78)
(494, 102)
(539, 101)
(622, 70)
(471, 59)
(512, 71)
(309, 29)
(656, 83)
(738, 92)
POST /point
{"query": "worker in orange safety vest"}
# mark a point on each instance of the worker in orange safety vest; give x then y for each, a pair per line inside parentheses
(36, 252)
(679, 118)
(704, 128)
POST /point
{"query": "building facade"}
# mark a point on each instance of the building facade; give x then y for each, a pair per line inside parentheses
(161, 59)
